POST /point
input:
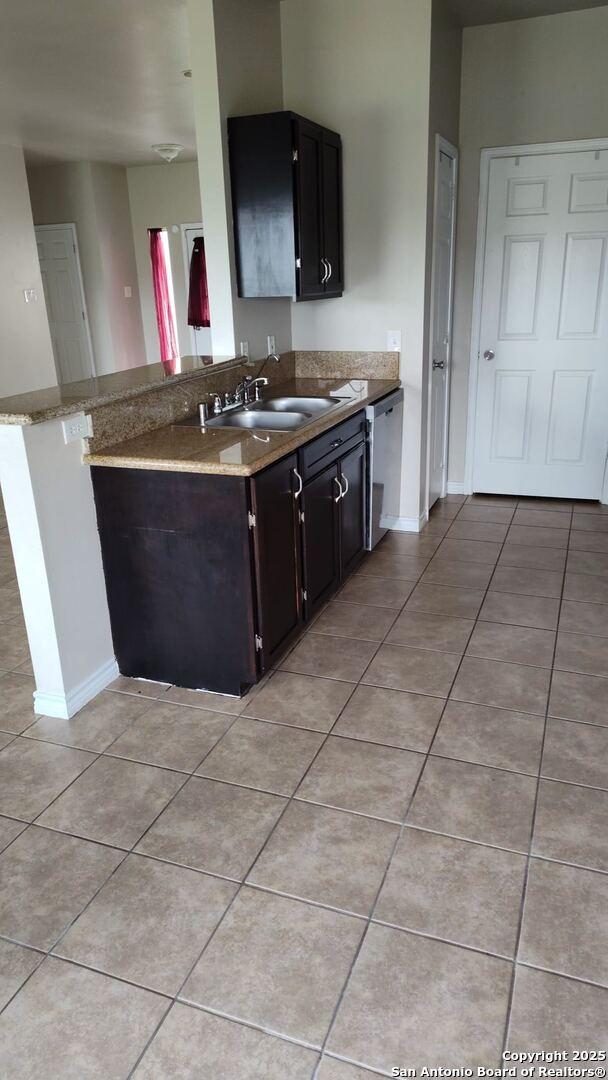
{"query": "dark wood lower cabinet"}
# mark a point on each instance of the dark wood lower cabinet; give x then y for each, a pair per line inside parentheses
(276, 548)
(209, 578)
(352, 508)
(321, 539)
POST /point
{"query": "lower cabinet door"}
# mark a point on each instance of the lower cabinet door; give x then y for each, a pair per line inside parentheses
(352, 508)
(321, 537)
(276, 547)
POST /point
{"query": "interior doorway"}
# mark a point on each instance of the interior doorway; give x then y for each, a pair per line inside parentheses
(65, 301)
(442, 289)
(539, 368)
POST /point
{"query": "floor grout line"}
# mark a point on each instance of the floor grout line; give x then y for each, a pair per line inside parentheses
(520, 925)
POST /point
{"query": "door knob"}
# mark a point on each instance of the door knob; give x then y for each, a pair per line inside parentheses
(489, 354)
(438, 364)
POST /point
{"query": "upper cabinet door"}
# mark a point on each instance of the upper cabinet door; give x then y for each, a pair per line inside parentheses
(309, 203)
(332, 213)
(286, 180)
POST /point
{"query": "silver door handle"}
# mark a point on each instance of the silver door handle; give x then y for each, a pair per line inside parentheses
(330, 271)
(326, 269)
(489, 354)
(346, 488)
(342, 493)
(297, 493)
(438, 364)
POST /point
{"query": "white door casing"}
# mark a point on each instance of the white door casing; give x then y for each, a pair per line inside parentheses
(65, 301)
(442, 281)
(540, 425)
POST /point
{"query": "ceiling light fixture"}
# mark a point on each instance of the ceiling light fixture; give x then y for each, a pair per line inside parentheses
(168, 151)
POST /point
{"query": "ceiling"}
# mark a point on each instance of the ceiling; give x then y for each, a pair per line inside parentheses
(477, 12)
(97, 80)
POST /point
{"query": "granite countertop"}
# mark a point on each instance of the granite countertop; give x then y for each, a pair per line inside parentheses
(55, 401)
(237, 451)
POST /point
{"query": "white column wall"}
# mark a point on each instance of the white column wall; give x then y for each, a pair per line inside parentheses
(50, 512)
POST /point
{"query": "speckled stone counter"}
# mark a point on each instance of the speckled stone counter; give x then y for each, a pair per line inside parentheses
(56, 401)
(234, 451)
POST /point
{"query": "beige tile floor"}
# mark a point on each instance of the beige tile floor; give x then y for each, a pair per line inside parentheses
(394, 852)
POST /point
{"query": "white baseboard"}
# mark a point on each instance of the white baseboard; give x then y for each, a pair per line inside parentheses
(455, 487)
(67, 705)
(404, 524)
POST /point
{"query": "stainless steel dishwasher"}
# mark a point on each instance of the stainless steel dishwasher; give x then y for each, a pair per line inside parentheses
(385, 427)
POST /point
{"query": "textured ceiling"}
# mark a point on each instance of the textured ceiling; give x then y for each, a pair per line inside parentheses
(97, 80)
(477, 12)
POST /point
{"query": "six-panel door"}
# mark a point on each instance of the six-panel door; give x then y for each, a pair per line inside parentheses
(542, 387)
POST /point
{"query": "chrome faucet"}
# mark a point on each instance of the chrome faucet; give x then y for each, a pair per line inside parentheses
(255, 385)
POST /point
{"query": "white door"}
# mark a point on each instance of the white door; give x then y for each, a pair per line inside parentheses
(441, 318)
(541, 423)
(201, 335)
(65, 302)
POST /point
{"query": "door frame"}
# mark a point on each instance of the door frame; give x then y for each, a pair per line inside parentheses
(71, 226)
(573, 146)
(441, 146)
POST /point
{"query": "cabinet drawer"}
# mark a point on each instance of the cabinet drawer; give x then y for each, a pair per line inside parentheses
(330, 446)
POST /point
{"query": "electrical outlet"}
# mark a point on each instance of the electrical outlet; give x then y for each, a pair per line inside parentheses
(77, 427)
(245, 349)
(271, 344)
(30, 296)
(393, 340)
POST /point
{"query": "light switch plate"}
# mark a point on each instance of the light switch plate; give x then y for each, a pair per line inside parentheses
(128, 292)
(393, 340)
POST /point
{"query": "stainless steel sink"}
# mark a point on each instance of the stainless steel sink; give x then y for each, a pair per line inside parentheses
(314, 405)
(270, 413)
(264, 419)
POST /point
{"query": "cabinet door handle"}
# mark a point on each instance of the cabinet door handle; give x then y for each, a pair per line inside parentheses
(297, 493)
(325, 271)
(342, 493)
(345, 478)
(329, 271)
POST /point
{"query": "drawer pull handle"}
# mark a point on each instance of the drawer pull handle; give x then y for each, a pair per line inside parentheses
(336, 442)
(297, 493)
(342, 493)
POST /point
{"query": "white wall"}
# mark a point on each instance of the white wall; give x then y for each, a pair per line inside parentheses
(529, 81)
(94, 196)
(236, 70)
(161, 196)
(48, 498)
(363, 70)
(118, 264)
(26, 352)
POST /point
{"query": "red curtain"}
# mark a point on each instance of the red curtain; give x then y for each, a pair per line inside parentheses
(198, 296)
(163, 295)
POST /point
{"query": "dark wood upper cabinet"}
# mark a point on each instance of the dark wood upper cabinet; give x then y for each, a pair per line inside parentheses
(286, 178)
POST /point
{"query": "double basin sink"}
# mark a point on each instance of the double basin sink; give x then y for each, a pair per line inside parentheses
(270, 414)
